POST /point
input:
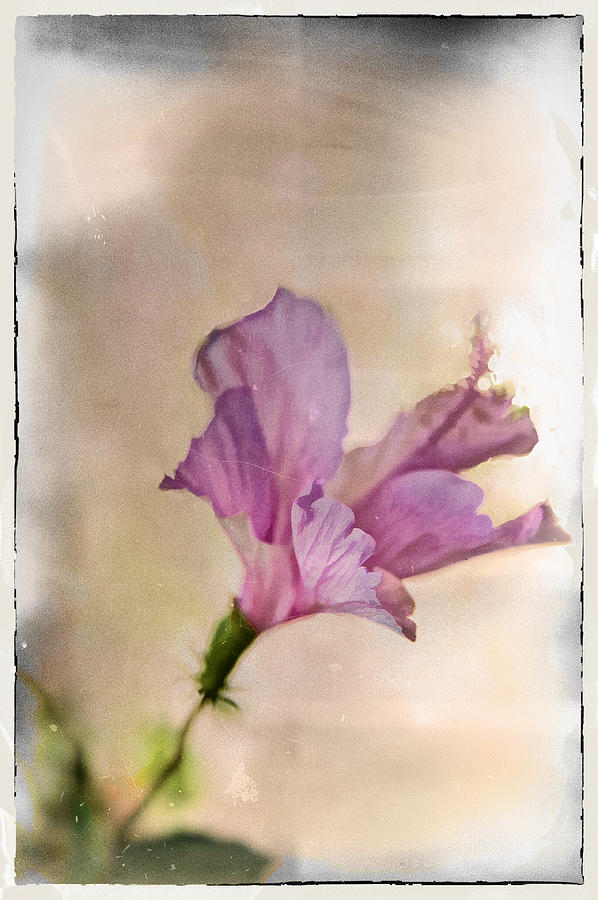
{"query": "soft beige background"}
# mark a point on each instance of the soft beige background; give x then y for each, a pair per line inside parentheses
(405, 197)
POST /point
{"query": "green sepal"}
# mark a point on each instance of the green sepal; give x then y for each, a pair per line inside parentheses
(232, 637)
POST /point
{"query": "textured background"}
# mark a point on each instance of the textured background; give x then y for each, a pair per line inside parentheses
(405, 173)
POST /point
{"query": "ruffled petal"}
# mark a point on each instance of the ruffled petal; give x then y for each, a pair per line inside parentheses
(230, 465)
(330, 552)
(321, 572)
(292, 357)
(425, 520)
(454, 429)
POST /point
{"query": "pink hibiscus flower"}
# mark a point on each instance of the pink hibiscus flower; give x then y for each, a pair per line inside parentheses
(321, 533)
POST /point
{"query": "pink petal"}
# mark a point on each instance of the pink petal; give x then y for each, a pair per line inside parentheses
(229, 463)
(454, 429)
(425, 520)
(321, 572)
(291, 355)
(372, 612)
(538, 525)
(396, 600)
(330, 552)
(272, 585)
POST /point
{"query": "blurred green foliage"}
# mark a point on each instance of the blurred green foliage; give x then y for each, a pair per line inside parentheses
(73, 839)
(70, 839)
(154, 748)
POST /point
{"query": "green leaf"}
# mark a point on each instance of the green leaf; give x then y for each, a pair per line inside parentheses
(188, 858)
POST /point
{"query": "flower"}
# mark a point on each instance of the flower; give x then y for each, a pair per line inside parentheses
(321, 533)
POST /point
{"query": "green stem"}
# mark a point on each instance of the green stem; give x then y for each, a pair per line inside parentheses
(231, 638)
(165, 772)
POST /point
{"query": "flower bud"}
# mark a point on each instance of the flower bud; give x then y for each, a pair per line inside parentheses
(232, 636)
